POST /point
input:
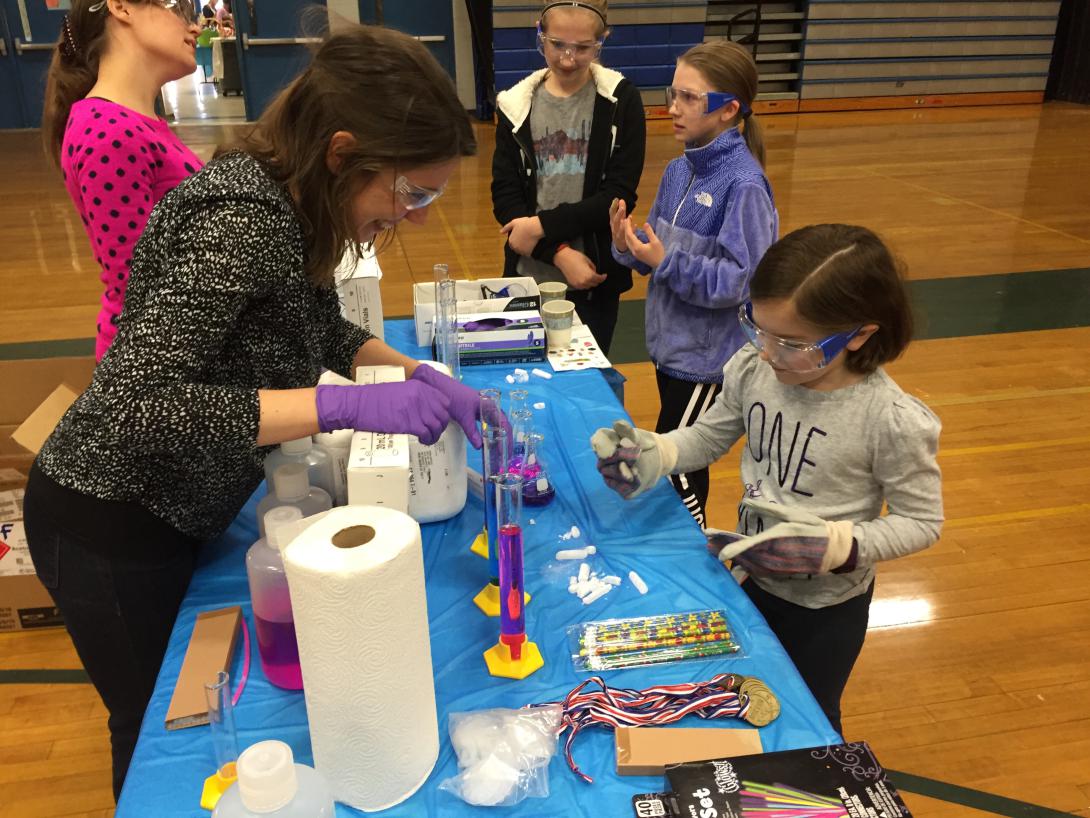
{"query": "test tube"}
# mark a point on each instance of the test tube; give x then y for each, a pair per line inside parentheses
(521, 428)
(517, 400)
(446, 321)
(221, 720)
(508, 491)
(494, 463)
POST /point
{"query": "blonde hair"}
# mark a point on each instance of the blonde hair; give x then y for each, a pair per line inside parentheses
(600, 9)
(729, 68)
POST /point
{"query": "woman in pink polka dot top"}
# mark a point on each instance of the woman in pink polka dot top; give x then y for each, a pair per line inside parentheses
(118, 158)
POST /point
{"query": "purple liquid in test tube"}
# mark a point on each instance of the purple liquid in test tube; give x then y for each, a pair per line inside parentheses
(508, 488)
(494, 455)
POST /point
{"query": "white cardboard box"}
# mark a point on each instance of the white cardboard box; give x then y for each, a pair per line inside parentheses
(358, 289)
(472, 299)
(378, 463)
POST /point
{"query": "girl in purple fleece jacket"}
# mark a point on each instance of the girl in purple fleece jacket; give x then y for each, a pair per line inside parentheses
(712, 221)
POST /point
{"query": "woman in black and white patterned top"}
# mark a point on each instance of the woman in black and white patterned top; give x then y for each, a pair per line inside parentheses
(229, 319)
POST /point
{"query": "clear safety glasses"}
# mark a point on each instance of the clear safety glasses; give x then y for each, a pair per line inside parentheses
(414, 197)
(580, 52)
(793, 356)
(701, 102)
(183, 8)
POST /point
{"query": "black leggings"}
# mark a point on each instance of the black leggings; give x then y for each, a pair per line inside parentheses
(118, 575)
(822, 642)
(682, 404)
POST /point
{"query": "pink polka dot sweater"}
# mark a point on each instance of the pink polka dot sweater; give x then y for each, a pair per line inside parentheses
(117, 165)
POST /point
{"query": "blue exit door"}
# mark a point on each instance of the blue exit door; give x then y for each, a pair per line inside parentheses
(11, 101)
(271, 47)
(430, 21)
(34, 27)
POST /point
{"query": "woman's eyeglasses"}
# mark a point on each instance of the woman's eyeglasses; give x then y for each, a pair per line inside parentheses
(183, 8)
(414, 197)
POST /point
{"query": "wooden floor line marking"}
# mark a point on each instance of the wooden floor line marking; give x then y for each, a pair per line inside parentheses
(985, 208)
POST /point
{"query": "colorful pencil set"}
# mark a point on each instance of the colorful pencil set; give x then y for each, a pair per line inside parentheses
(622, 643)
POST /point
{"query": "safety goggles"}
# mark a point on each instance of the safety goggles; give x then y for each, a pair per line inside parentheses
(183, 8)
(414, 197)
(702, 102)
(579, 52)
(793, 356)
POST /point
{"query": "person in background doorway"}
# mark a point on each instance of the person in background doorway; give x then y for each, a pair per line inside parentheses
(117, 156)
(570, 140)
(223, 10)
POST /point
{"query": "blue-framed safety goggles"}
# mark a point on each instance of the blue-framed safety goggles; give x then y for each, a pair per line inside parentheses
(703, 101)
(793, 356)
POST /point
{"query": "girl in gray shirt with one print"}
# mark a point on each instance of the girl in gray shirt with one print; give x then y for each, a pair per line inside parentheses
(830, 438)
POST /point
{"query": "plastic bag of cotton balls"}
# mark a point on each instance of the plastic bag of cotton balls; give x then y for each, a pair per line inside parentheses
(503, 755)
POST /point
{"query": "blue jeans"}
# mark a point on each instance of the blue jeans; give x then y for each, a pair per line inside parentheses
(118, 575)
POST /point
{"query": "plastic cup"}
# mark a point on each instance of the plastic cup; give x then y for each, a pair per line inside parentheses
(558, 317)
(552, 291)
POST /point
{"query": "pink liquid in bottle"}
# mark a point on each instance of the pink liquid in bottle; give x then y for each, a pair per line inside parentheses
(279, 652)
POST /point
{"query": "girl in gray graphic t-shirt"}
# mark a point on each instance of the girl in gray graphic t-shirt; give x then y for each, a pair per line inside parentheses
(570, 141)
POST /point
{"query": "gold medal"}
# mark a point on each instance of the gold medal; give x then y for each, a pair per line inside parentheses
(763, 704)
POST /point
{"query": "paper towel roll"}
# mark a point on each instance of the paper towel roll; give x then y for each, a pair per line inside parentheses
(357, 593)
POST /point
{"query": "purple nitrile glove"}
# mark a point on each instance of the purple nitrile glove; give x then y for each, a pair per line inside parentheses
(410, 408)
(498, 419)
(465, 403)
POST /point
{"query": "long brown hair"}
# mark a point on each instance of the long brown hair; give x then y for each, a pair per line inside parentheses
(729, 68)
(385, 89)
(839, 277)
(73, 70)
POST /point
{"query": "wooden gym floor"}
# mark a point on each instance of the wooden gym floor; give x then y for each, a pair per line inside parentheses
(974, 684)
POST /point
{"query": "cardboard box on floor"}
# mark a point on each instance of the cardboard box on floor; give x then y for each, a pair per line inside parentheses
(36, 395)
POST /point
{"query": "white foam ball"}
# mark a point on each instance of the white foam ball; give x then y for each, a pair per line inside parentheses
(474, 738)
(489, 782)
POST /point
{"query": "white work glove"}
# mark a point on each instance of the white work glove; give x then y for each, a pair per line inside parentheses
(801, 543)
(632, 460)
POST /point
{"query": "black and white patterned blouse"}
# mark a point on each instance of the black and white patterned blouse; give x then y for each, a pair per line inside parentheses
(218, 306)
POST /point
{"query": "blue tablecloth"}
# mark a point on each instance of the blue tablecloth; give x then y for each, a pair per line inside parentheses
(653, 535)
